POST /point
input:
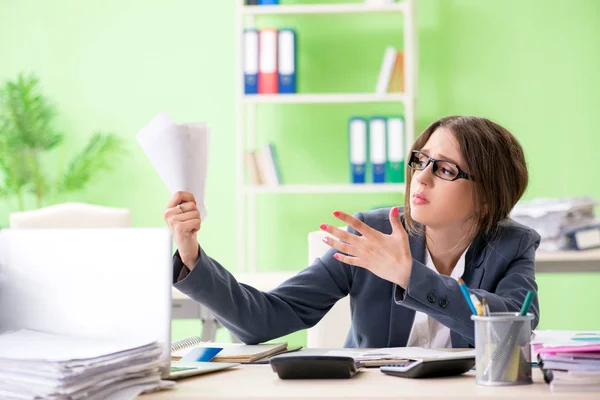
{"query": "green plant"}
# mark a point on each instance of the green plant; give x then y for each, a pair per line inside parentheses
(27, 140)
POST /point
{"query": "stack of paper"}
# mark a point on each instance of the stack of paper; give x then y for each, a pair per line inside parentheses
(179, 153)
(570, 361)
(35, 365)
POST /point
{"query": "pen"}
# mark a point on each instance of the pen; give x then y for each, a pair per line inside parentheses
(527, 302)
(465, 292)
(477, 304)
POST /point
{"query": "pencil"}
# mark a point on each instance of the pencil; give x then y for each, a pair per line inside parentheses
(485, 307)
(466, 294)
(477, 304)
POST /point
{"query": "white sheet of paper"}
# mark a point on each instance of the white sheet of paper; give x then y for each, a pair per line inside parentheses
(179, 153)
(32, 345)
(402, 353)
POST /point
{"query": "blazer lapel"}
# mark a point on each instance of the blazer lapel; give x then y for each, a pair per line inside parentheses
(402, 318)
(472, 276)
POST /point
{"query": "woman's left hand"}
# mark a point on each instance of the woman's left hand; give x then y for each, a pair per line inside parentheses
(387, 256)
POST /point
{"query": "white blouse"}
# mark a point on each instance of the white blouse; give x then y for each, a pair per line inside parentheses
(427, 332)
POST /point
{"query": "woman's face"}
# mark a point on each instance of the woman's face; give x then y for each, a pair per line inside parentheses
(437, 203)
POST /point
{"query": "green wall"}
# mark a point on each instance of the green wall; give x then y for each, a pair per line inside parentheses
(532, 66)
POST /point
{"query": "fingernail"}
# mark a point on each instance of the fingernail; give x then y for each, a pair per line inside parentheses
(323, 226)
(395, 211)
(336, 256)
(336, 214)
(325, 240)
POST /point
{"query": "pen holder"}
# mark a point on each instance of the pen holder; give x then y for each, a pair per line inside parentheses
(503, 349)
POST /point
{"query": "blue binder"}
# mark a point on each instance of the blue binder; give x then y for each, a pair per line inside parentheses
(357, 137)
(267, 2)
(250, 61)
(286, 43)
(377, 148)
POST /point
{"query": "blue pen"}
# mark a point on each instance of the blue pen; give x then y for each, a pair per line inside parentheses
(465, 292)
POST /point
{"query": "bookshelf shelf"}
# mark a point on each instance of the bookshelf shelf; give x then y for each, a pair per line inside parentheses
(341, 188)
(322, 9)
(324, 98)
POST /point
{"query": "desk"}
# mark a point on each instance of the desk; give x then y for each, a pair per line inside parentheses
(260, 382)
(568, 261)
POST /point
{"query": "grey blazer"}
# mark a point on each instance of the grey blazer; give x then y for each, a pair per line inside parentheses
(500, 267)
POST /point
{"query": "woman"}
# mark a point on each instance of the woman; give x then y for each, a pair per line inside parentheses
(400, 266)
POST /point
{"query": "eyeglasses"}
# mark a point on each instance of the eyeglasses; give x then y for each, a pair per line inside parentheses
(445, 170)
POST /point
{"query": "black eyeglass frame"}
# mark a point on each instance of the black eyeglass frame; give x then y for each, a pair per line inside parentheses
(460, 175)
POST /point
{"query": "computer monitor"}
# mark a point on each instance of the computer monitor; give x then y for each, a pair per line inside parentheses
(96, 283)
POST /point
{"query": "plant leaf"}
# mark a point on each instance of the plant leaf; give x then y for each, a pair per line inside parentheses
(101, 152)
(27, 115)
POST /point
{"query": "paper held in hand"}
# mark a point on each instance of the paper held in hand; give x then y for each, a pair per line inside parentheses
(179, 153)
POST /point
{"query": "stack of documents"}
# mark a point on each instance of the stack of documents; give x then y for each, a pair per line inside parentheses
(179, 153)
(35, 365)
(570, 362)
(556, 220)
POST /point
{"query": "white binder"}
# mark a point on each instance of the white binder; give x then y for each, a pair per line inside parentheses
(377, 154)
(357, 128)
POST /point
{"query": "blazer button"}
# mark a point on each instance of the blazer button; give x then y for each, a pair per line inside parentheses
(431, 297)
(444, 302)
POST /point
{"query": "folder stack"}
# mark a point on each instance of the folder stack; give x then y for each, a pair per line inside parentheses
(37, 365)
(571, 364)
(563, 223)
(269, 61)
(376, 149)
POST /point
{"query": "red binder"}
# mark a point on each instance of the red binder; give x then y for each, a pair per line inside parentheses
(267, 62)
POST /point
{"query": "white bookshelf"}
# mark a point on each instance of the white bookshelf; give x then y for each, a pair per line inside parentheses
(353, 8)
(343, 188)
(249, 105)
(338, 98)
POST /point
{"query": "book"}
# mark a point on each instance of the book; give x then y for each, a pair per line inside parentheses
(266, 167)
(254, 176)
(385, 73)
(232, 352)
(397, 79)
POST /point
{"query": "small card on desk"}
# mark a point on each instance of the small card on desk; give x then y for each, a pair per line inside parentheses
(204, 354)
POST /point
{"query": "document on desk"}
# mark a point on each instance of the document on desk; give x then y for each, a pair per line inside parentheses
(400, 353)
(179, 153)
(42, 365)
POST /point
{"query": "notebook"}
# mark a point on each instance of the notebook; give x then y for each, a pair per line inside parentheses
(232, 352)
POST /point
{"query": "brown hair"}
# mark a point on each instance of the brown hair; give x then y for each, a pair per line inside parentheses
(495, 159)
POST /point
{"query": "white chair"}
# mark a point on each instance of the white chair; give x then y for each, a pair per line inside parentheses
(332, 329)
(72, 215)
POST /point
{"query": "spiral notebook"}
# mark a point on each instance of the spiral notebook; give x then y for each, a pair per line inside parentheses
(232, 352)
